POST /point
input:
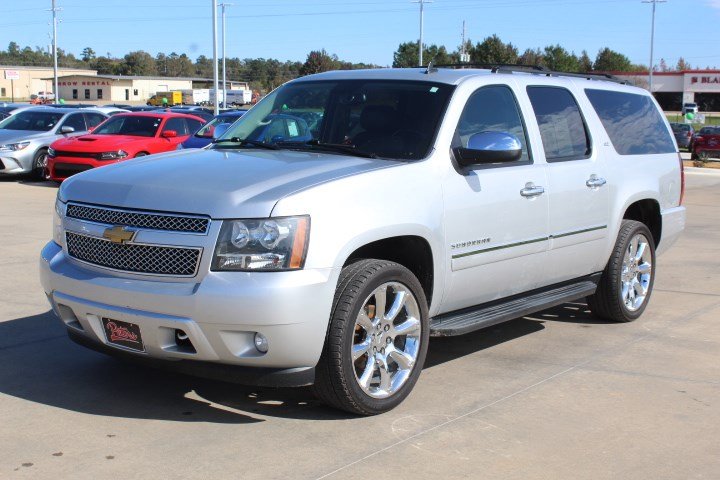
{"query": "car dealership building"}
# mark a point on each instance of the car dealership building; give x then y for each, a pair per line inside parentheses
(672, 89)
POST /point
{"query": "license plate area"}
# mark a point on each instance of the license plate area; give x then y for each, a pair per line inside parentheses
(123, 334)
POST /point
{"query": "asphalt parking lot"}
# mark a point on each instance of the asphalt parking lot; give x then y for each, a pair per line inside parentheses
(558, 395)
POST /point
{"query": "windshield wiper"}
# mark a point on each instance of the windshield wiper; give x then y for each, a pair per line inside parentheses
(240, 142)
(330, 147)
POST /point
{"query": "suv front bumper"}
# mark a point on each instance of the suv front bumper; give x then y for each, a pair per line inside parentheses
(219, 314)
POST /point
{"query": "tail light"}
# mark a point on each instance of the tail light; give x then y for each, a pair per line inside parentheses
(699, 139)
(689, 135)
(682, 180)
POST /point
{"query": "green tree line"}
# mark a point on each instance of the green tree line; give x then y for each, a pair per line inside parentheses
(267, 73)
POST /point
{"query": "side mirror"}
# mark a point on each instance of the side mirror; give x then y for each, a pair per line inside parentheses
(169, 134)
(220, 130)
(489, 147)
(66, 129)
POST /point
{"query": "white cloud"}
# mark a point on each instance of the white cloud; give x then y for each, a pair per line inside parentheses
(713, 3)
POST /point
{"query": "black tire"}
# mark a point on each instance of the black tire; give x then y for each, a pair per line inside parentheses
(335, 380)
(607, 302)
(140, 154)
(40, 170)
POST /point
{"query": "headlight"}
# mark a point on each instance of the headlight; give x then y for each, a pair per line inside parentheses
(267, 244)
(14, 147)
(51, 152)
(58, 215)
(113, 155)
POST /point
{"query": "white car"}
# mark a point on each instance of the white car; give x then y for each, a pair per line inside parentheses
(350, 215)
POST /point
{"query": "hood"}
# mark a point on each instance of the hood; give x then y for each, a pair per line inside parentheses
(99, 143)
(14, 136)
(218, 183)
(196, 142)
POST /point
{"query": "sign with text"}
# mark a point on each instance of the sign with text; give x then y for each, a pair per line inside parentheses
(700, 82)
(12, 75)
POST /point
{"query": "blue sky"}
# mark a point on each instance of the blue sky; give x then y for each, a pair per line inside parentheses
(369, 30)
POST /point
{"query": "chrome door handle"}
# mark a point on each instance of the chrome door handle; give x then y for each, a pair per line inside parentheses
(531, 190)
(595, 182)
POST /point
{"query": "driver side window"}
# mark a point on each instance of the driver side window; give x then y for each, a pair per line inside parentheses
(75, 121)
(492, 109)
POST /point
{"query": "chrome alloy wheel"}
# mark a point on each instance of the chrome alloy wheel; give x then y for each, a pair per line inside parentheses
(637, 271)
(386, 340)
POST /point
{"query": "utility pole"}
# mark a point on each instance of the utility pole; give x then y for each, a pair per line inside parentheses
(223, 5)
(422, 14)
(56, 91)
(652, 41)
(464, 57)
(215, 57)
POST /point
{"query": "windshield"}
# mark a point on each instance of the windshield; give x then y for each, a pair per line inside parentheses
(390, 119)
(35, 121)
(679, 127)
(209, 128)
(129, 125)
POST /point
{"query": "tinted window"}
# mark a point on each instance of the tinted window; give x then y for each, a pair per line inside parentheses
(391, 119)
(177, 124)
(632, 122)
(75, 121)
(94, 119)
(137, 126)
(194, 125)
(679, 127)
(37, 121)
(491, 109)
(562, 127)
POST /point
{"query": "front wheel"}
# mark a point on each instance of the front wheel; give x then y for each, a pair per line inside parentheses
(627, 281)
(40, 169)
(377, 338)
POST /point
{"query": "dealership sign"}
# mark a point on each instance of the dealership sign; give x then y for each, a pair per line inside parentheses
(12, 75)
(702, 83)
(86, 83)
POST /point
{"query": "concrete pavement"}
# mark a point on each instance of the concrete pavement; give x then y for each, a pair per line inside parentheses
(557, 395)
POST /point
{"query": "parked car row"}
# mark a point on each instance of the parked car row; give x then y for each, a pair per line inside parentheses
(53, 143)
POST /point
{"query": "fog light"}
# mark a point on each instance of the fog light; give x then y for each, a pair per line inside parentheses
(261, 343)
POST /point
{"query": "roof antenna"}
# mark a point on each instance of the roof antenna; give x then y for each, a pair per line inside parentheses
(431, 68)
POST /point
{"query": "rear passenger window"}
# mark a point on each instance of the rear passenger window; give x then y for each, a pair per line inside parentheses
(562, 128)
(632, 121)
(492, 109)
(176, 124)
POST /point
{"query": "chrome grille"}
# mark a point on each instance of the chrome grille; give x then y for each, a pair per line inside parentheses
(134, 258)
(153, 221)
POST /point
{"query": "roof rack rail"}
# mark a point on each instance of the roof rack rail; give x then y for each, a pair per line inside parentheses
(533, 69)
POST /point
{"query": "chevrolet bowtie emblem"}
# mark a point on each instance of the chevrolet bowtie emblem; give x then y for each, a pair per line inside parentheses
(119, 234)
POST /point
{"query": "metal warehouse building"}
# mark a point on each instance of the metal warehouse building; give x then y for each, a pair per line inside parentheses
(122, 88)
(672, 89)
(18, 83)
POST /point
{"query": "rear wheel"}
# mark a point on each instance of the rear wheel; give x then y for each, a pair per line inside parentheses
(40, 170)
(377, 339)
(626, 283)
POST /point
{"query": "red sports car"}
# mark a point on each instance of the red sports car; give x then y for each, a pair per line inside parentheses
(121, 137)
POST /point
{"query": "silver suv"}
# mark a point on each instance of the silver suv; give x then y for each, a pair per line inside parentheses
(350, 215)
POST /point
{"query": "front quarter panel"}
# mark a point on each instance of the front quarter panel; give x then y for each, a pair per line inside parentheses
(346, 214)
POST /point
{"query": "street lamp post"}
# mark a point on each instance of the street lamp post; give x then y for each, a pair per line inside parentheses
(224, 71)
(215, 57)
(652, 41)
(422, 17)
(55, 59)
